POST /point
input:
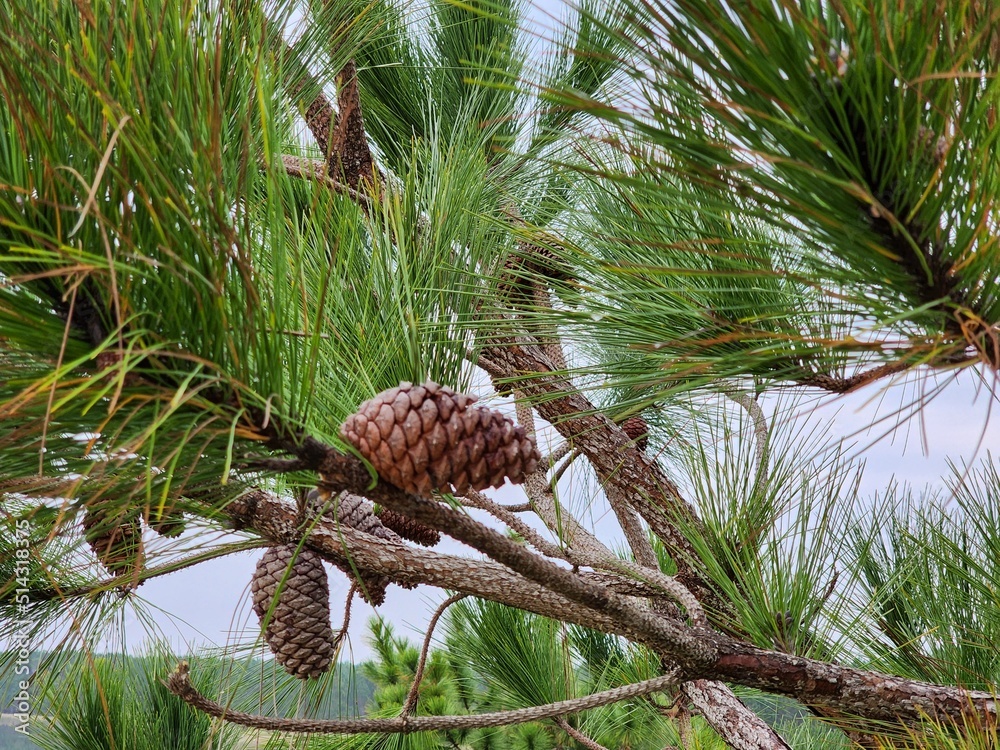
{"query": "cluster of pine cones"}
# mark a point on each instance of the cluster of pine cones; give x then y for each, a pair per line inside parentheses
(422, 439)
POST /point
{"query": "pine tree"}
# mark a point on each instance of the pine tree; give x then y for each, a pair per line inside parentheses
(254, 256)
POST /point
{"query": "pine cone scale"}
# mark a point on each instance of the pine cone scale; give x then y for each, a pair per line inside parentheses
(428, 415)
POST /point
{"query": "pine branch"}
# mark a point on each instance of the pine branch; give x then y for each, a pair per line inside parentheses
(587, 550)
(556, 456)
(179, 684)
(854, 382)
(311, 169)
(619, 464)
(740, 727)
(846, 690)
(505, 515)
(411, 698)
(685, 648)
(579, 736)
(278, 521)
(350, 156)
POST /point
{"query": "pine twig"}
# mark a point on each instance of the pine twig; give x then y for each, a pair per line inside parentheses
(179, 683)
(516, 507)
(342, 633)
(575, 454)
(313, 169)
(761, 433)
(523, 411)
(411, 699)
(476, 499)
(597, 556)
(556, 456)
(145, 574)
(684, 728)
(579, 736)
(846, 385)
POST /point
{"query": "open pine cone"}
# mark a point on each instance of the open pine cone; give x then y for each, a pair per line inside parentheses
(298, 629)
(428, 437)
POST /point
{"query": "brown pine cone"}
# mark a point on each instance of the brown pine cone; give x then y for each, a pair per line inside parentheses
(407, 528)
(545, 262)
(351, 510)
(358, 513)
(298, 624)
(117, 541)
(427, 437)
(168, 522)
(512, 284)
(638, 431)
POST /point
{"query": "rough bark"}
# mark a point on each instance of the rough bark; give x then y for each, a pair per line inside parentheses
(620, 465)
(849, 691)
(644, 626)
(740, 727)
(350, 155)
(276, 519)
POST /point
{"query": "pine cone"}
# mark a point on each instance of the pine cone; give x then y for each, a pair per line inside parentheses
(351, 510)
(530, 260)
(638, 431)
(358, 513)
(511, 283)
(117, 542)
(544, 261)
(407, 528)
(298, 623)
(427, 437)
(168, 522)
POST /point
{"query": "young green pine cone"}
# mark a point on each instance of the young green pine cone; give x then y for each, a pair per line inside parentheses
(117, 541)
(427, 437)
(298, 624)
(637, 430)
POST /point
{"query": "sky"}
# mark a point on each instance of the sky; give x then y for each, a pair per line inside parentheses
(208, 605)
